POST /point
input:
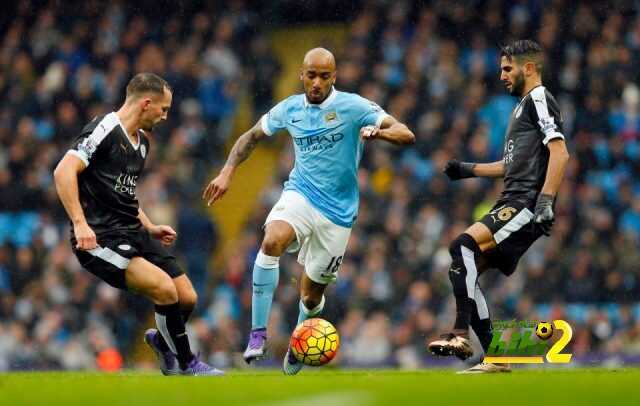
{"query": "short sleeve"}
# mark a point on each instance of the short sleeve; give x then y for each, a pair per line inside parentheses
(90, 141)
(275, 119)
(369, 113)
(547, 115)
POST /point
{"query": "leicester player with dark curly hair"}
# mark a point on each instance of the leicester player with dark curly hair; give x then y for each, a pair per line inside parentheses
(533, 165)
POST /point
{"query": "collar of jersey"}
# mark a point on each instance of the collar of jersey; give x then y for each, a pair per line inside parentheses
(326, 101)
(529, 92)
(135, 146)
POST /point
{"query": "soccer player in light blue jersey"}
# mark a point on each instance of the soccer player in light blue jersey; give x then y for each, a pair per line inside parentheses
(320, 200)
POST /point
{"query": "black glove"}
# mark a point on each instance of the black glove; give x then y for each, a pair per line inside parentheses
(455, 169)
(543, 214)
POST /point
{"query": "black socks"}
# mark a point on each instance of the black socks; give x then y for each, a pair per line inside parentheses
(170, 323)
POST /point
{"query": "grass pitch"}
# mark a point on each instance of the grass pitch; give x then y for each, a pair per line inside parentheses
(325, 387)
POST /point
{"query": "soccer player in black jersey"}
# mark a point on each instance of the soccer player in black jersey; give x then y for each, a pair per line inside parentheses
(533, 164)
(111, 236)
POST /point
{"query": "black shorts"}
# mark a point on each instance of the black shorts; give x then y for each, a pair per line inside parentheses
(110, 260)
(511, 223)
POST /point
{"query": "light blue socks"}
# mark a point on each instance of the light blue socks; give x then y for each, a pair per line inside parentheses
(266, 273)
(308, 314)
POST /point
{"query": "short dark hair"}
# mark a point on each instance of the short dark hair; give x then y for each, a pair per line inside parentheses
(146, 82)
(524, 51)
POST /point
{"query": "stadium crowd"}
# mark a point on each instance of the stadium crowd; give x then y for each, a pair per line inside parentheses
(432, 66)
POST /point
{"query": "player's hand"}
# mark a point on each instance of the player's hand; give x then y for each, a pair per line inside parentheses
(165, 234)
(369, 132)
(543, 213)
(216, 188)
(456, 170)
(85, 237)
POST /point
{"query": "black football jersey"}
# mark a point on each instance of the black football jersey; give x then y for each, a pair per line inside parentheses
(534, 122)
(107, 186)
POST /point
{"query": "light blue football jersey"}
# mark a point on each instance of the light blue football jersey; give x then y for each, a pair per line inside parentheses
(328, 148)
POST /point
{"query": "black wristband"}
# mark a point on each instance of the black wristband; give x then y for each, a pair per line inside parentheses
(466, 170)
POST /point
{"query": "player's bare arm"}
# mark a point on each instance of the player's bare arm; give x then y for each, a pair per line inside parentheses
(390, 130)
(66, 179)
(489, 170)
(164, 233)
(558, 158)
(239, 153)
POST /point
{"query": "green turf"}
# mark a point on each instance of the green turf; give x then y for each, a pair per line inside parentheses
(327, 388)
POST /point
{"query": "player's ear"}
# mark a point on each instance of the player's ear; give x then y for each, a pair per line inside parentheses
(529, 68)
(145, 103)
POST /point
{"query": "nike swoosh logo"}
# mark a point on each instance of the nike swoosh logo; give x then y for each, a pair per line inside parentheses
(295, 121)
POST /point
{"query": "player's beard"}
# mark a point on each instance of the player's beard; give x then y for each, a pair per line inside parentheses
(518, 86)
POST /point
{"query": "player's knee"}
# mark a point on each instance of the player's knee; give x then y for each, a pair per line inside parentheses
(165, 292)
(463, 240)
(188, 299)
(454, 246)
(463, 249)
(272, 245)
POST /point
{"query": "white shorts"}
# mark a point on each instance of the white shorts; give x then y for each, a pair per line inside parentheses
(321, 243)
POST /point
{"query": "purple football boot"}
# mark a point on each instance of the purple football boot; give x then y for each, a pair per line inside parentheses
(199, 368)
(256, 349)
(168, 361)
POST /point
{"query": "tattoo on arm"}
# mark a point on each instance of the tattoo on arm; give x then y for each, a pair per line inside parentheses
(244, 146)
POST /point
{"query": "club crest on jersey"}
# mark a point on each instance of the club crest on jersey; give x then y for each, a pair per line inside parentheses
(143, 151)
(330, 116)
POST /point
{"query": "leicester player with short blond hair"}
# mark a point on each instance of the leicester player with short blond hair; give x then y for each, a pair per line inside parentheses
(111, 235)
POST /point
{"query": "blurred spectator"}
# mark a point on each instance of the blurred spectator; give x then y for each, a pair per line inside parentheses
(197, 243)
